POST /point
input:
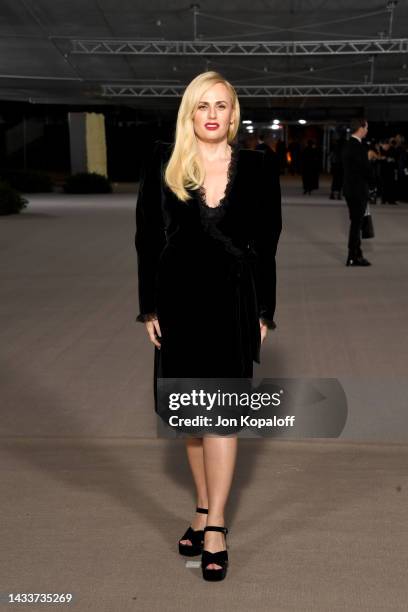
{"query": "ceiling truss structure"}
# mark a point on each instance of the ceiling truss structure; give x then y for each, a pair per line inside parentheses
(353, 51)
(240, 48)
(264, 91)
(371, 47)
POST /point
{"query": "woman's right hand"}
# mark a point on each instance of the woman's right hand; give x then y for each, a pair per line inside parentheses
(153, 328)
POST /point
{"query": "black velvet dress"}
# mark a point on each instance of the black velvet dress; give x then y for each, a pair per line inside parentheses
(208, 274)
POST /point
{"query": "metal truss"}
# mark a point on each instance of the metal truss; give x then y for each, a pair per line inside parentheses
(251, 91)
(188, 47)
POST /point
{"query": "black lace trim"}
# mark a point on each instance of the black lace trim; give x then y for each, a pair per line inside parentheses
(150, 316)
(232, 166)
(211, 216)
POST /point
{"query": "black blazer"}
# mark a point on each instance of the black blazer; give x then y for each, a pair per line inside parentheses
(356, 169)
(180, 257)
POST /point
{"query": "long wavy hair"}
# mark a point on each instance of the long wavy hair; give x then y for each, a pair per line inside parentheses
(184, 169)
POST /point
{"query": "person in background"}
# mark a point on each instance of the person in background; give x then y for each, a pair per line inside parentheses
(400, 148)
(310, 167)
(294, 150)
(374, 181)
(250, 141)
(281, 152)
(403, 173)
(267, 144)
(337, 171)
(356, 180)
(388, 169)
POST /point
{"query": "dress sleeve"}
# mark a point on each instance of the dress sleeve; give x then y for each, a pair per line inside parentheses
(150, 236)
(268, 226)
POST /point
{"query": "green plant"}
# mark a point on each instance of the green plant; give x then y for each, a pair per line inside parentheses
(11, 202)
(27, 181)
(87, 182)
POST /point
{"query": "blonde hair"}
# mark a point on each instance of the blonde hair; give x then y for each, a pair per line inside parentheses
(184, 169)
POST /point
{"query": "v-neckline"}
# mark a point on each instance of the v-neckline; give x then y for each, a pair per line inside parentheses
(230, 175)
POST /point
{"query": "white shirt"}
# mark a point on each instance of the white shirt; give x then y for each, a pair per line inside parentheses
(356, 137)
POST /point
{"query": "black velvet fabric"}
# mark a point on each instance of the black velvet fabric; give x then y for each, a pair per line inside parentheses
(209, 274)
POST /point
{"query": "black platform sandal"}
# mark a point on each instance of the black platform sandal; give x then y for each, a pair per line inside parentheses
(196, 537)
(220, 558)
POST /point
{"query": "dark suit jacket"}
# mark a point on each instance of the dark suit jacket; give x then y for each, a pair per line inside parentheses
(356, 168)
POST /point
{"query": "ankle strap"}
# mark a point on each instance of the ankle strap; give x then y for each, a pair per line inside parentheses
(202, 510)
(216, 528)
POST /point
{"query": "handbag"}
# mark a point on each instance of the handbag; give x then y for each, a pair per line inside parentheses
(367, 226)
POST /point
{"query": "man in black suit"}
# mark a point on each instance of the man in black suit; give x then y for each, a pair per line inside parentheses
(356, 168)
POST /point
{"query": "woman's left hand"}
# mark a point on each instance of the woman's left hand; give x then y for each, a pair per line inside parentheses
(264, 330)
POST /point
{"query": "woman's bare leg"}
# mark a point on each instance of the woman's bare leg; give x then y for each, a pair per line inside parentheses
(195, 455)
(219, 463)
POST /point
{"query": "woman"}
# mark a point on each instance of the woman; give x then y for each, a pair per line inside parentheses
(208, 221)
